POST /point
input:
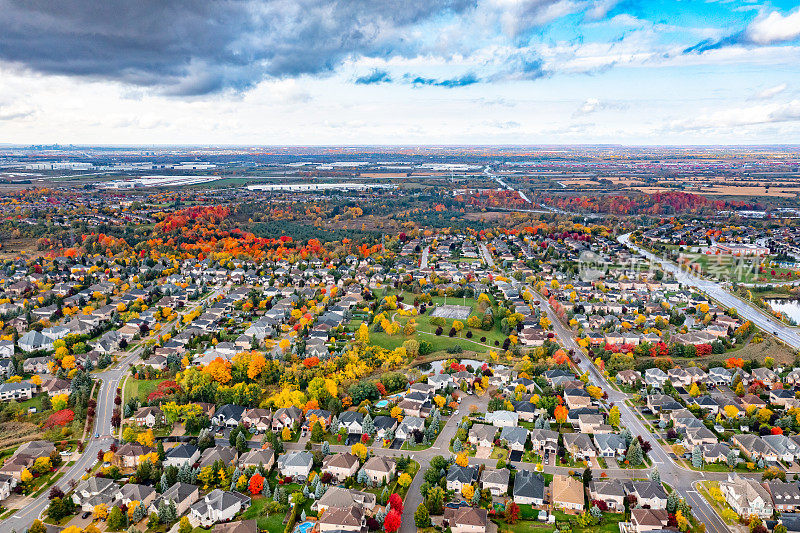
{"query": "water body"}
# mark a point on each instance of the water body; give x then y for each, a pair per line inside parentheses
(790, 307)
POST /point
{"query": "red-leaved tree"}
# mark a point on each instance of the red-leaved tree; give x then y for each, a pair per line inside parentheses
(392, 522)
(396, 503)
(256, 484)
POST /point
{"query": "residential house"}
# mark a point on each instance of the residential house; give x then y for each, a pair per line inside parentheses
(182, 454)
(528, 488)
(296, 464)
(495, 480)
(258, 457)
(379, 469)
(466, 519)
(747, 496)
(610, 491)
(218, 506)
(567, 493)
(458, 476)
(341, 466)
(646, 520)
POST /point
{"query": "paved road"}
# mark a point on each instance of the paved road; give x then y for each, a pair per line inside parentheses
(681, 479)
(487, 257)
(423, 263)
(109, 381)
(787, 334)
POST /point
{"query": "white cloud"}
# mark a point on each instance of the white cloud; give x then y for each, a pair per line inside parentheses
(741, 116)
(770, 92)
(774, 28)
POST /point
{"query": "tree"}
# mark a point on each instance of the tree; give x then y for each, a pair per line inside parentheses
(614, 416)
(362, 335)
(116, 519)
(561, 413)
(392, 521)
(512, 513)
(396, 503)
(635, 456)
(404, 480)
(256, 484)
(468, 491)
(397, 413)
(421, 516)
(100, 512)
(359, 450)
(697, 457)
(37, 527)
(462, 459)
(317, 433)
(286, 433)
(185, 526)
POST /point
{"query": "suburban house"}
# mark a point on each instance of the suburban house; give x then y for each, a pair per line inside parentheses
(218, 506)
(528, 488)
(341, 466)
(379, 469)
(296, 464)
(747, 496)
(495, 480)
(182, 454)
(567, 493)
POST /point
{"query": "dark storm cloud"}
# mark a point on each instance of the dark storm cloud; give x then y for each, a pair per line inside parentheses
(188, 47)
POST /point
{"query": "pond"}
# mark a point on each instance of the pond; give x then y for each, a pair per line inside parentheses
(790, 307)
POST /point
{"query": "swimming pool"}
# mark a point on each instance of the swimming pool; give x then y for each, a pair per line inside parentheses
(305, 527)
(381, 404)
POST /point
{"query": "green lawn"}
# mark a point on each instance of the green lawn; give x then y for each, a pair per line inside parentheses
(36, 402)
(425, 330)
(140, 388)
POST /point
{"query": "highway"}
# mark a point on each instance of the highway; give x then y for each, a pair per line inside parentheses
(787, 334)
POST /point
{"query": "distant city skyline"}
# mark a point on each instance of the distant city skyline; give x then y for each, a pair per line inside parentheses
(314, 72)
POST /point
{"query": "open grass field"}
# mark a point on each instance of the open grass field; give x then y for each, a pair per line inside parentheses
(140, 388)
(426, 330)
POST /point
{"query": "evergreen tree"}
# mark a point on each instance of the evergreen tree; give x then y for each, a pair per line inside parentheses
(732, 459)
(139, 513)
(421, 516)
(457, 447)
(634, 455)
(655, 476)
(326, 448)
(385, 496)
(697, 457)
(672, 502)
(164, 482)
(265, 491)
(367, 425)
(318, 491)
(241, 443)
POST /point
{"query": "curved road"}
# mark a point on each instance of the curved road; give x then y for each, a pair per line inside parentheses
(787, 334)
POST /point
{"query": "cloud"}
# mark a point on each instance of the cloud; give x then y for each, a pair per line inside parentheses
(191, 47)
(766, 29)
(374, 77)
(449, 83)
(774, 28)
(15, 112)
(592, 105)
(741, 116)
(770, 92)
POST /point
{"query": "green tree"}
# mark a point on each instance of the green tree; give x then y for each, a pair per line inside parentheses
(421, 516)
(116, 519)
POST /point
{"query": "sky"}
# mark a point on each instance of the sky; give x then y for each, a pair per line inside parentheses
(355, 72)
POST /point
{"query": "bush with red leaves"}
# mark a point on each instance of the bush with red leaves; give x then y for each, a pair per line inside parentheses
(59, 418)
